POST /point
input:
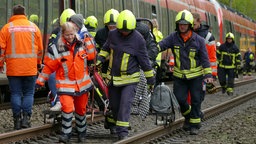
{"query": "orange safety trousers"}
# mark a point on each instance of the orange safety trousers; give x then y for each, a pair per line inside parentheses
(70, 103)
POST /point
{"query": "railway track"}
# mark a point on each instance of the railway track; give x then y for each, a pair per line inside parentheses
(50, 132)
(177, 125)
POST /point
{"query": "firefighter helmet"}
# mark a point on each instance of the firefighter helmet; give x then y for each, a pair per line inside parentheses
(110, 17)
(218, 44)
(230, 35)
(126, 21)
(91, 21)
(65, 15)
(184, 17)
(251, 56)
(34, 18)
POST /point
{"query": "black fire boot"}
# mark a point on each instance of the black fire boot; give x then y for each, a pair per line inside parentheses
(81, 137)
(25, 123)
(65, 138)
(17, 121)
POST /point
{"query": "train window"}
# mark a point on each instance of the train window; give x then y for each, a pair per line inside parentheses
(53, 15)
(36, 13)
(153, 10)
(142, 9)
(5, 13)
(128, 5)
(15, 2)
(90, 7)
(117, 5)
(108, 4)
(100, 12)
(81, 7)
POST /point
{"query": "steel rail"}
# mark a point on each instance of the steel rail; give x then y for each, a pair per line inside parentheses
(36, 131)
(208, 113)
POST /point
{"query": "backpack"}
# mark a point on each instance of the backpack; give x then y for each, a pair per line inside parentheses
(163, 103)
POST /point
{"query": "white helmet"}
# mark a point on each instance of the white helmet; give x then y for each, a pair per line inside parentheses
(218, 44)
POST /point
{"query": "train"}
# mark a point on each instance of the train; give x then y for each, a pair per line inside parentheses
(219, 17)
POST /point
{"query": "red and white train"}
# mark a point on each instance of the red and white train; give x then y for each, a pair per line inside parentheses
(219, 17)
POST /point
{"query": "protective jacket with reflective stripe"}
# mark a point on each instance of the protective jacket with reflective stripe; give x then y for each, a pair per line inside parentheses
(229, 56)
(126, 56)
(191, 59)
(21, 46)
(70, 63)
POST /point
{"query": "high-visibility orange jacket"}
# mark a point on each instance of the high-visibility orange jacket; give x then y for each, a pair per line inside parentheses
(203, 31)
(70, 64)
(21, 46)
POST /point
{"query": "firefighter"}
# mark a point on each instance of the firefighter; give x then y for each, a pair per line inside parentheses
(248, 62)
(69, 59)
(127, 53)
(91, 23)
(34, 18)
(191, 69)
(229, 59)
(102, 34)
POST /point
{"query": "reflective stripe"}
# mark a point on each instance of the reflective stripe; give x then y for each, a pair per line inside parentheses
(228, 67)
(192, 59)
(66, 122)
(208, 36)
(122, 123)
(194, 120)
(188, 73)
(149, 73)
(177, 53)
(126, 79)
(187, 112)
(124, 64)
(171, 60)
(104, 53)
(213, 63)
(158, 58)
(229, 89)
(80, 122)
(14, 29)
(111, 120)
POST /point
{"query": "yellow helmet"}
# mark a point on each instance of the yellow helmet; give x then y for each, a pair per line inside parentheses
(34, 18)
(184, 17)
(91, 21)
(126, 21)
(251, 57)
(65, 15)
(110, 17)
(230, 35)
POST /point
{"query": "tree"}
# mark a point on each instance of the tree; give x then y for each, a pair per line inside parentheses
(246, 7)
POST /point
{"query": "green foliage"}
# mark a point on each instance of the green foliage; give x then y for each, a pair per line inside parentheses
(247, 7)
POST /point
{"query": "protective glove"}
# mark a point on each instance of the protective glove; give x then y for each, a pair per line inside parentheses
(211, 88)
